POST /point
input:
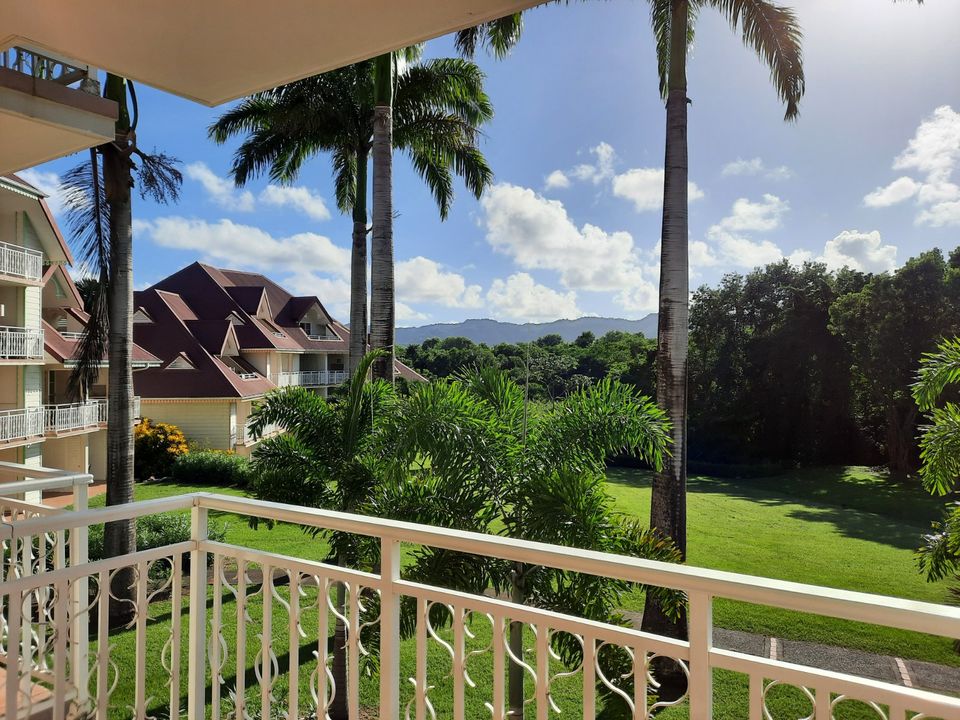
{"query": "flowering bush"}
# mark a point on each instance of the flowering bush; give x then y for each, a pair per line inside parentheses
(156, 447)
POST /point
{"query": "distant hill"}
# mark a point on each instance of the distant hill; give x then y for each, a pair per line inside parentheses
(492, 332)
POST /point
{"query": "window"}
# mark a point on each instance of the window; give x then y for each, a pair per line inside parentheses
(181, 362)
(307, 328)
(61, 324)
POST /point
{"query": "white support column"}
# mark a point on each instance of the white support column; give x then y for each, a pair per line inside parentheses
(389, 629)
(79, 554)
(197, 668)
(701, 643)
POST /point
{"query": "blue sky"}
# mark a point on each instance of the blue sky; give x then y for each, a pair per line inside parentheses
(868, 176)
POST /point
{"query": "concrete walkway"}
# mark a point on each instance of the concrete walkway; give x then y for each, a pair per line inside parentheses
(911, 673)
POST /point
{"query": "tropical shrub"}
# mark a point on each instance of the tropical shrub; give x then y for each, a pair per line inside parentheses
(156, 446)
(155, 531)
(211, 467)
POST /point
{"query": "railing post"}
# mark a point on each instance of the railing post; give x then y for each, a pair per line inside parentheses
(389, 629)
(701, 643)
(79, 554)
(197, 663)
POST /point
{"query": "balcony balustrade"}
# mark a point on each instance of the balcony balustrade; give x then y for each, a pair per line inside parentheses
(44, 66)
(20, 262)
(21, 424)
(216, 607)
(17, 343)
(310, 378)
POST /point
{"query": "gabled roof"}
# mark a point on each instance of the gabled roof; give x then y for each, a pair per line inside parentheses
(64, 350)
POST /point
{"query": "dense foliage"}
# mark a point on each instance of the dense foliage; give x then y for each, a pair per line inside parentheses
(156, 447)
(788, 365)
(211, 467)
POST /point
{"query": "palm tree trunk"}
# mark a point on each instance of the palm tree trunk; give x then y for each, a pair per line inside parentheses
(515, 671)
(120, 536)
(358, 266)
(668, 507)
(382, 313)
(339, 709)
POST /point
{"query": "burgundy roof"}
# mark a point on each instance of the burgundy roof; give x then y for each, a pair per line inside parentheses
(64, 350)
(191, 312)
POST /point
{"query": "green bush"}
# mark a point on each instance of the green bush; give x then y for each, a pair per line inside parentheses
(155, 531)
(156, 446)
(211, 467)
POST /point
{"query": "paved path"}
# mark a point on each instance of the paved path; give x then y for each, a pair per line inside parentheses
(911, 673)
(62, 498)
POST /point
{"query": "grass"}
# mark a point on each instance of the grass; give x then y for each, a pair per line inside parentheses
(847, 528)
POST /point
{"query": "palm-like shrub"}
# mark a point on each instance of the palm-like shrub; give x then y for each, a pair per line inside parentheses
(467, 454)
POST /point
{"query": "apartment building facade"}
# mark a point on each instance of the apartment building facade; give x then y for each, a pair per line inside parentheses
(225, 338)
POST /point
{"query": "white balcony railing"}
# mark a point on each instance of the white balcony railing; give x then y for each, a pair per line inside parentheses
(71, 417)
(310, 378)
(21, 424)
(17, 343)
(44, 66)
(20, 262)
(268, 613)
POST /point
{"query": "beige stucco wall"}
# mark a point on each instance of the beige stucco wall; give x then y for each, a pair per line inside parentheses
(97, 454)
(206, 424)
(68, 453)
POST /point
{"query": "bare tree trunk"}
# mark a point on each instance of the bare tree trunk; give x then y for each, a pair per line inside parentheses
(358, 266)
(120, 536)
(382, 312)
(668, 507)
(900, 438)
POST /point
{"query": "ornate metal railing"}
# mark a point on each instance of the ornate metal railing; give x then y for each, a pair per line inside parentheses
(310, 378)
(20, 262)
(44, 66)
(75, 416)
(246, 608)
(17, 343)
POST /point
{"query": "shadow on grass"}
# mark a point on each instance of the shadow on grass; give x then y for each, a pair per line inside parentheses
(859, 503)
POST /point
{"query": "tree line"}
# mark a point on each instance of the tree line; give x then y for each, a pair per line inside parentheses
(788, 365)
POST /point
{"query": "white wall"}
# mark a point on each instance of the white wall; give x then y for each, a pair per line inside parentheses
(206, 424)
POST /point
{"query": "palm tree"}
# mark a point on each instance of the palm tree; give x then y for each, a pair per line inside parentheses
(320, 461)
(482, 463)
(382, 294)
(438, 109)
(98, 196)
(773, 32)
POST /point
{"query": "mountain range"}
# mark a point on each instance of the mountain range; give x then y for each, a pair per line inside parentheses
(492, 332)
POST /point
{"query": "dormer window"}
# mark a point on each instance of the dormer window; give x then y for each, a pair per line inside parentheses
(181, 362)
(61, 324)
(235, 319)
(141, 316)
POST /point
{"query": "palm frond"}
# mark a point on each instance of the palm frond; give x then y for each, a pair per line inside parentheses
(774, 32)
(88, 218)
(937, 370)
(160, 179)
(344, 161)
(498, 36)
(660, 14)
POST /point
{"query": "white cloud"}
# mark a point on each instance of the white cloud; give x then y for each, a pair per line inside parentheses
(731, 242)
(755, 166)
(520, 297)
(860, 251)
(748, 216)
(557, 180)
(299, 198)
(420, 279)
(934, 153)
(333, 292)
(537, 233)
(601, 169)
(405, 313)
(48, 183)
(644, 187)
(223, 192)
(901, 189)
(237, 245)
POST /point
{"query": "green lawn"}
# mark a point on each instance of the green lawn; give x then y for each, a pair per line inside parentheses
(840, 528)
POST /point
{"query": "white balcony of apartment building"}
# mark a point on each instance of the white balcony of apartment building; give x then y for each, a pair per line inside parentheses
(21, 425)
(72, 418)
(214, 606)
(310, 378)
(17, 343)
(20, 264)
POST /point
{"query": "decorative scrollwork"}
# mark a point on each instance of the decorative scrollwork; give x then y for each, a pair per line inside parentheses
(806, 691)
(872, 705)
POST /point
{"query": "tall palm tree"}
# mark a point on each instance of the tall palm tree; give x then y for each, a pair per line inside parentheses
(382, 294)
(438, 109)
(774, 33)
(98, 197)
